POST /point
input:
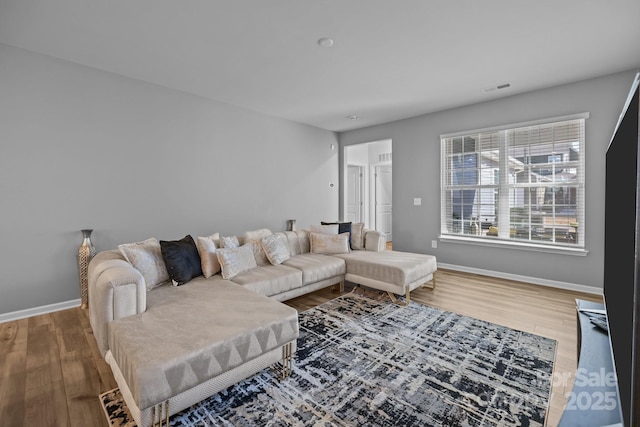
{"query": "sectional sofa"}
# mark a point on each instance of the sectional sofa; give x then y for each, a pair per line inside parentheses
(181, 320)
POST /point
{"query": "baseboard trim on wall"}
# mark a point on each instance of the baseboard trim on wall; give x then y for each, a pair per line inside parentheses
(43, 309)
(526, 279)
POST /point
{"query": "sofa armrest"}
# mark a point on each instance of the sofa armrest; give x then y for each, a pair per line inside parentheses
(375, 240)
(116, 290)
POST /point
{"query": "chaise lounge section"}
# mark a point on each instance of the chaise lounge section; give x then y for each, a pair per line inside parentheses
(397, 273)
(194, 341)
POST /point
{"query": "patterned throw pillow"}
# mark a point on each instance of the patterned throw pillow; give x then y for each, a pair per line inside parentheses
(343, 227)
(146, 257)
(329, 243)
(182, 259)
(357, 235)
(229, 242)
(276, 247)
(254, 237)
(234, 261)
(207, 247)
(256, 234)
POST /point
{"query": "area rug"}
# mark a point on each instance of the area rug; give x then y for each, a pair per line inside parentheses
(365, 362)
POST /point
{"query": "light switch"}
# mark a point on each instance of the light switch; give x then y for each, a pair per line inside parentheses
(417, 201)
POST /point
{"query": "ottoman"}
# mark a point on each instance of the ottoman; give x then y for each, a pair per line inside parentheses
(392, 271)
(193, 341)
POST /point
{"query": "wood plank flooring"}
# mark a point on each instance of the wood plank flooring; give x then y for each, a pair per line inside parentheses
(51, 371)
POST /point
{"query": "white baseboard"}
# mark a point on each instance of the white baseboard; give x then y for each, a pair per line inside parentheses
(526, 279)
(21, 314)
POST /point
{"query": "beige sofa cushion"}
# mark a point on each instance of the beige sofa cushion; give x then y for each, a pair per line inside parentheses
(270, 280)
(298, 242)
(317, 267)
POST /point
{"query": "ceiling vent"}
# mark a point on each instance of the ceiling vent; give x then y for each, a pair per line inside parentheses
(498, 87)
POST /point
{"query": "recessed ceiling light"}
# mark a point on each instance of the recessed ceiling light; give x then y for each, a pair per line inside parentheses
(325, 42)
(354, 117)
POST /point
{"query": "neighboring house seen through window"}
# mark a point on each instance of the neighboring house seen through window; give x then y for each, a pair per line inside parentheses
(517, 184)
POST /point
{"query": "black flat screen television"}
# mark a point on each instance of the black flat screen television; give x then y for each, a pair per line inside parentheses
(622, 261)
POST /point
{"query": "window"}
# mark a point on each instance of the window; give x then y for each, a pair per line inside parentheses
(521, 184)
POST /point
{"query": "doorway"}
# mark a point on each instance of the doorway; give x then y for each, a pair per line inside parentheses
(367, 195)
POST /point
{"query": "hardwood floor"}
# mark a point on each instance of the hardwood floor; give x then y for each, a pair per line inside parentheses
(51, 371)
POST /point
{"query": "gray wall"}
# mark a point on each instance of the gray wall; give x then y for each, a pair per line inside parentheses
(81, 148)
(416, 173)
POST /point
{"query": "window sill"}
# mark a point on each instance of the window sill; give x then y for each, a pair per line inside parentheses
(525, 246)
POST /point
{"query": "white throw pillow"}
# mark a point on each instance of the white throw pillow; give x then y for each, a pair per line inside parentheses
(254, 238)
(234, 261)
(329, 243)
(357, 235)
(207, 247)
(324, 229)
(229, 242)
(276, 247)
(146, 257)
(256, 234)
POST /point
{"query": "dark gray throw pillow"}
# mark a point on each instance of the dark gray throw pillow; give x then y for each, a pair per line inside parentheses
(182, 259)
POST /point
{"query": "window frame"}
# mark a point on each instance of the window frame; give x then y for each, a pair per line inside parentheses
(504, 186)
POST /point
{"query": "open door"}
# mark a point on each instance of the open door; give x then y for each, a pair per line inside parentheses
(355, 187)
(383, 205)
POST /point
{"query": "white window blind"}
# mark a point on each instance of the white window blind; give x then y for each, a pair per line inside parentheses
(520, 183)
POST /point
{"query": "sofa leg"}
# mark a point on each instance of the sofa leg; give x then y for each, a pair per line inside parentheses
(433, 283)
(341, 287)
(397, 302)
(355, 288)
(160, 414)
(285, 367)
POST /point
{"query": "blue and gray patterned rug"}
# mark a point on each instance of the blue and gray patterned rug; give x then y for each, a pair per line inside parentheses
(364, 362)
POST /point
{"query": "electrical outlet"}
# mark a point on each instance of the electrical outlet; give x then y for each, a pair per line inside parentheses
(434, 244)
(417, 201)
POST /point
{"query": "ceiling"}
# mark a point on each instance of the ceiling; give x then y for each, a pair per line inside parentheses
(390, 59)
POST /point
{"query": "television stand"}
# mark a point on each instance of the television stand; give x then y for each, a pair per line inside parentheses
(594, 399)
